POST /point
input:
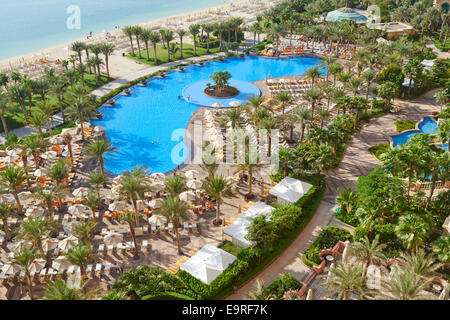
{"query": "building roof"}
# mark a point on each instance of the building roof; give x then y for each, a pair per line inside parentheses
(290, 189)
(345, 14)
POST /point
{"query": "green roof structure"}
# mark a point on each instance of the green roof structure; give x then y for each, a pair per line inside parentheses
(345, 14)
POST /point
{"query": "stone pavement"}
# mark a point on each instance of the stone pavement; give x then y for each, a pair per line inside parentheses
(357, 161)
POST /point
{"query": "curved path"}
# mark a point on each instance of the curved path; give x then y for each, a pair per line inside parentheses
(357, 161)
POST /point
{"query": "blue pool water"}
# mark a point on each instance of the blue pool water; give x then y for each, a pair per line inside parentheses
(428, 125)
(155, 112)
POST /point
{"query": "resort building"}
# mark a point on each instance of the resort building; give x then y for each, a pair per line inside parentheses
(395, 29)
(346, 14)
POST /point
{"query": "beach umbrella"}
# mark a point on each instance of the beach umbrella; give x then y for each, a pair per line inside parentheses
(34, 211)
(99, 129)
(155, 203)
(24, 195)
(77, 209)
(14, 152)
(191, 174)
(65, 153)
(67, 243)
(216, 105)
(49, 244)
(8, 198)
(80, 192)
(71, 131)
(116, 180)
(69, 227)
(117, 206)
(49, 155)
(157, 219)
(40, 172)
(56, 139)
(141, 205)
(77, 137)
(234, 103)
(115, 190)
(158, 176)
(9, 159)
(113, 238)
(158, 186)
(194, 184)
(18, 246)
(60, 263)
(10, 268)
(187, 196)
(37, 265)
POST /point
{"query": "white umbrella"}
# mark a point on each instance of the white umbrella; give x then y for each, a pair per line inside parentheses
(191, 174)
(10, 268)
(34, 211)
(155, 203)
(187, 196)
(117, 179)
(56, 140)
(60, 263)
(49, 155)
(80, 192)
(65, 153)
(77, 209)
(18, 246)
(115, 189)
(76, 138)
(37, 265)
(157, 219)
(14, 152)
(24, 195)
(69, 227)
(117, 206)
(8, 198)
(40, 172)
(141, 205)
(194, 184)
(113, 238)
(158, 186)
(9, 159)
(49, 244)
(216, 105)
(67, 243)
(158, 176)
(234, 103)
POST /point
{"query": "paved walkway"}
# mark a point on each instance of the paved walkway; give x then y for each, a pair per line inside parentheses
(357, 161)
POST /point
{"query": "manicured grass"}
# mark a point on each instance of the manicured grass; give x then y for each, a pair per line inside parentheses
(161, 53)
(404, 125)
(379, 149)
(230, 248)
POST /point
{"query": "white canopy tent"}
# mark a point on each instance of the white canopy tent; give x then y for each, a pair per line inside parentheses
(208, 263)
(290, 190)
(238, 229)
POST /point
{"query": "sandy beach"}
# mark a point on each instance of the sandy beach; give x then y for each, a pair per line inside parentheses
(34, 63)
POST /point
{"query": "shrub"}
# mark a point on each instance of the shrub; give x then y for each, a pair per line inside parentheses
(401, 126)
(392, 73)
(282, 284)
(167, 296)
(329, 236)
(379, 149)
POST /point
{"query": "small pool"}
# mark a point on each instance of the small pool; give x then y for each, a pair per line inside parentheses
(148, 126)
(429, 126)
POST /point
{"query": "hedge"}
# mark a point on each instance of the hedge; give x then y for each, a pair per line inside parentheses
(401, 126)
(329, 236)
(247, 264)
(387, 235)
(167, 296)
(282, 284)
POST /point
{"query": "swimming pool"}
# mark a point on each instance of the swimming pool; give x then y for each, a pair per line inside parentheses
(154, 112)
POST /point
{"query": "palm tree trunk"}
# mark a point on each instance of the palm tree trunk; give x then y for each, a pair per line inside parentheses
(154, 52)
(250, 183)
(195, 46)
(218, 211)
(82, 127)
(178, 238)
(132, 47)
(16, 197)
(41, 250)
(133, 235)
(181, 48)
(5, 127)
(61, 107)
(146, 48)
(303, 132)
(433, 186)
(139, 47)
(6, 229)
(30, 286)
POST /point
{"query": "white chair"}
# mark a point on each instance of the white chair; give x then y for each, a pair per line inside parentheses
(110, 248)
(101, 248)
(120, 247)
(98, 267)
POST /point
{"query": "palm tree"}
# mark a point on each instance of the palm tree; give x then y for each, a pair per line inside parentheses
(97, 179)
(302, 117)
(167, 37)
(36, 229)
(313, 96)
(313, 73)
(175, 185)
(367, 251)
(48, 111)
(60, 290)
(58, 89)
(276, 31)
(12, 178)
(59, 171)
(133, 185)
(35, 145)
(404, 285)
(369, 77)
(38, 121)
(79, 256)
(24, 259)
(354, 85)
(346, 279)
(327, 61)
(47, 196)
(269, 124)
(323, 114)
(80, 110)
(155, 38)
(284, 98)
(5, 107)
(129, 32)
(220, 29)
(441, 97)
(78, 47)
(441, 248)
(194, 29)
(234, 116)
(251, 166)
(181, 33)
(5, 213)
(259, 292)
(422, 264)
(218, 188)
(107, 50)
(209, 165)
(255, 102)
(321, 156)
(137, 30)
(335, 69)
(128, 217)
(83, 231)
(94, 203)
(145, 37)
(97, 149)
(175, 209)
(18, 94)
(412, 230)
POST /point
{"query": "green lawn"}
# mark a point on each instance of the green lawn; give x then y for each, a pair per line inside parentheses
(401, 126)
(161, 53)
(15, 119)
(230, 248)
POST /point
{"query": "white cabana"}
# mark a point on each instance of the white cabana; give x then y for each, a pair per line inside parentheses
(406, 83)
(194, 184)
(208, 263)
(428, 64)
(290, 190)
(238, 229)
(191, 174)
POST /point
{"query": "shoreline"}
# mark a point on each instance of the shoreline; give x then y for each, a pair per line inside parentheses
(60, 51)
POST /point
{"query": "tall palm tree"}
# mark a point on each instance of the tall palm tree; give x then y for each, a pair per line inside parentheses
(155, 38)
(208, 28)
(78, 47)
(175, 209)
(321, 156)
(367, 251)
(276, 31)
(335, 69)
(181, 33)
(167, 37)
(24, 259)
(5, 107)
(218, 188)
(369, 77)
(5, 213)
(312, 73)
(47, 196)
(313, 96)
(35, 145)
(345, 279)
(97, 149)
(129, 32)
(128, 217)
(255, 102)
(284, 98)
(323, 114)
(12, 178)
(38, 121)
(194, 29)
(137, 30)
(36, 229)
(269, 124)
(251, 166)
(209, 165)
(145, 37)
(59, 171)
(175, 185)
(58, 289)
(79, 256)
(48, 111)
(412, 230)
(58, 89)
(234, 116)
(18, 94)
(302, 117)
(107, 50)
(93, 202)
(97, 179)
(81, 110)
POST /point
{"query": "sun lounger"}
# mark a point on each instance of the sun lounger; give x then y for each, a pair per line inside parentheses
(98, 267)
(120, 247)
(101, 248)
(144, 245)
